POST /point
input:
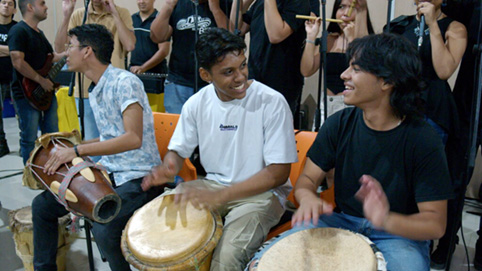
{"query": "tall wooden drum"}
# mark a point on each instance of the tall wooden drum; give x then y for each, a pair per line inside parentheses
(326, 249)
(22, 228)
(163, 236)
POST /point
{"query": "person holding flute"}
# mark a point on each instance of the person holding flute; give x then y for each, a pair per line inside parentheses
(347, 23)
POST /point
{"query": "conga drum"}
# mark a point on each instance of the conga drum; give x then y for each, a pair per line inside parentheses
(165, 236)
(326, 249)
(82, 186)
(22, 228)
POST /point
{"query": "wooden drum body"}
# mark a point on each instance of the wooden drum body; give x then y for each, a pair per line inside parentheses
(22, 228)
(89, 192)
(326, 249)
(165, 236)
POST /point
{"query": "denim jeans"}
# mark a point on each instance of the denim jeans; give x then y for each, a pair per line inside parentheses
(175, 96)
(30, 120)
(400, 253)
(90, 127)
(46, 211)
(4, 88)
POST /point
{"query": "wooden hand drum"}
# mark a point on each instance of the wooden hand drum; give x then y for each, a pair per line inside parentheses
(165, 236)
(81, 185)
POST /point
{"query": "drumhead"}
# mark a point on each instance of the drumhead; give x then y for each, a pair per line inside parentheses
(23, 216)
(162, 232)
(327, 249)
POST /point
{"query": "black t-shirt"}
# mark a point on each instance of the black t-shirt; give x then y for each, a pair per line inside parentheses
(145, 47)
(409, 161)
(34, 45)
(181, 61)
(5, 62)
(277, 65)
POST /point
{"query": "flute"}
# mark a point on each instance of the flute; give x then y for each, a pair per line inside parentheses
(314, 18)
(353, 3)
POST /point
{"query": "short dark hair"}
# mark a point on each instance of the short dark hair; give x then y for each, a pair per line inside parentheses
(335, 28)
(23, 5)
(98, 37)
(214, 44)
(395, 60)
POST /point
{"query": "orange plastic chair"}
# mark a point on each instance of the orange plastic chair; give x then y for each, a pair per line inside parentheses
(304, 140)
(164, 125)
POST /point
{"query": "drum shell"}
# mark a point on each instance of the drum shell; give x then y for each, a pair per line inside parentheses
(200, 259)
(23, 237)
(96, 200)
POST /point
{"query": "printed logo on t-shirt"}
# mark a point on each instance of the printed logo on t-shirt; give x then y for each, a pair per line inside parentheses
(223, 127)
(3, 37)
(202, 23)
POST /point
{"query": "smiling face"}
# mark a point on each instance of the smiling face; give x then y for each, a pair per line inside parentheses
(362, 88)
(145, 6)
(229, 76)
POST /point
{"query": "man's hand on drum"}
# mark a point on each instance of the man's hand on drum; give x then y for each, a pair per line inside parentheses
(376, 207)
(200, 198)
(311, 207)
(160, 175)
(57, 157)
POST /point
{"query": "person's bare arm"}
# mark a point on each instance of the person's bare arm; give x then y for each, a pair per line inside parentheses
(126, 35)
(4, 51)
(429, 223)
(277, 29)
(19, 63)
(157, 58)
(160, 28)
(61, 38)
(130, 140)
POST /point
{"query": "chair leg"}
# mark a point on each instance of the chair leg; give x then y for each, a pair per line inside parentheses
(87, 228)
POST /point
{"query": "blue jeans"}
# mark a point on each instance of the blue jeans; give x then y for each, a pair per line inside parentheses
(90, 127)
(4, 88)
(400, 253)
(175, 96)
(46, 211)
(30, 120)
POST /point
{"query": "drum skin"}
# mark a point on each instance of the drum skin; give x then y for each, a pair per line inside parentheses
(166, 236)
(326, 249)
(96, 200)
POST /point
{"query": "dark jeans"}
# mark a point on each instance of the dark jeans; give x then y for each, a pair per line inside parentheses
(4, 89)
(46, 210)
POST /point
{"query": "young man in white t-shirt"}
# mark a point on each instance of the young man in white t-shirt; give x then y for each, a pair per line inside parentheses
(244, 131)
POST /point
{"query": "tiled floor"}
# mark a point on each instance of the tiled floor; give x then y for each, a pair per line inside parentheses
(14, 196)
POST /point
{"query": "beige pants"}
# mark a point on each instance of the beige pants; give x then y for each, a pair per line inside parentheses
(246, 225)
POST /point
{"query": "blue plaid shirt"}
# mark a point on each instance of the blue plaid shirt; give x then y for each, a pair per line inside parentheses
(115, 91)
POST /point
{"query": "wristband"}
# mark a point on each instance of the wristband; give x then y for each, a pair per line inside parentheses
(310, 41)
(76, 151)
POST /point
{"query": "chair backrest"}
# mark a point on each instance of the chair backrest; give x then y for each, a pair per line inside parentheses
(164, 125)
(304, 140)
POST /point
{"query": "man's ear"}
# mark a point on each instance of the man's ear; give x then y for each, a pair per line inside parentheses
(386, 85)
(205, 75)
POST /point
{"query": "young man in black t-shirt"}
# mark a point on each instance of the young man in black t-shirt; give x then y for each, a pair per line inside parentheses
(8, 8)
(147, 57)
(176, 20)
(28, 50)
(391, 178)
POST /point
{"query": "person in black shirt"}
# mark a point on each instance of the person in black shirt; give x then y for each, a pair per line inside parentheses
(276, 45)
(8, 8)
(29, 49)
(391, 179)
(176, 20)
(147, 56)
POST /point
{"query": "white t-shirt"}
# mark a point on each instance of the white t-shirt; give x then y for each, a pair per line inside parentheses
(238, 138)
